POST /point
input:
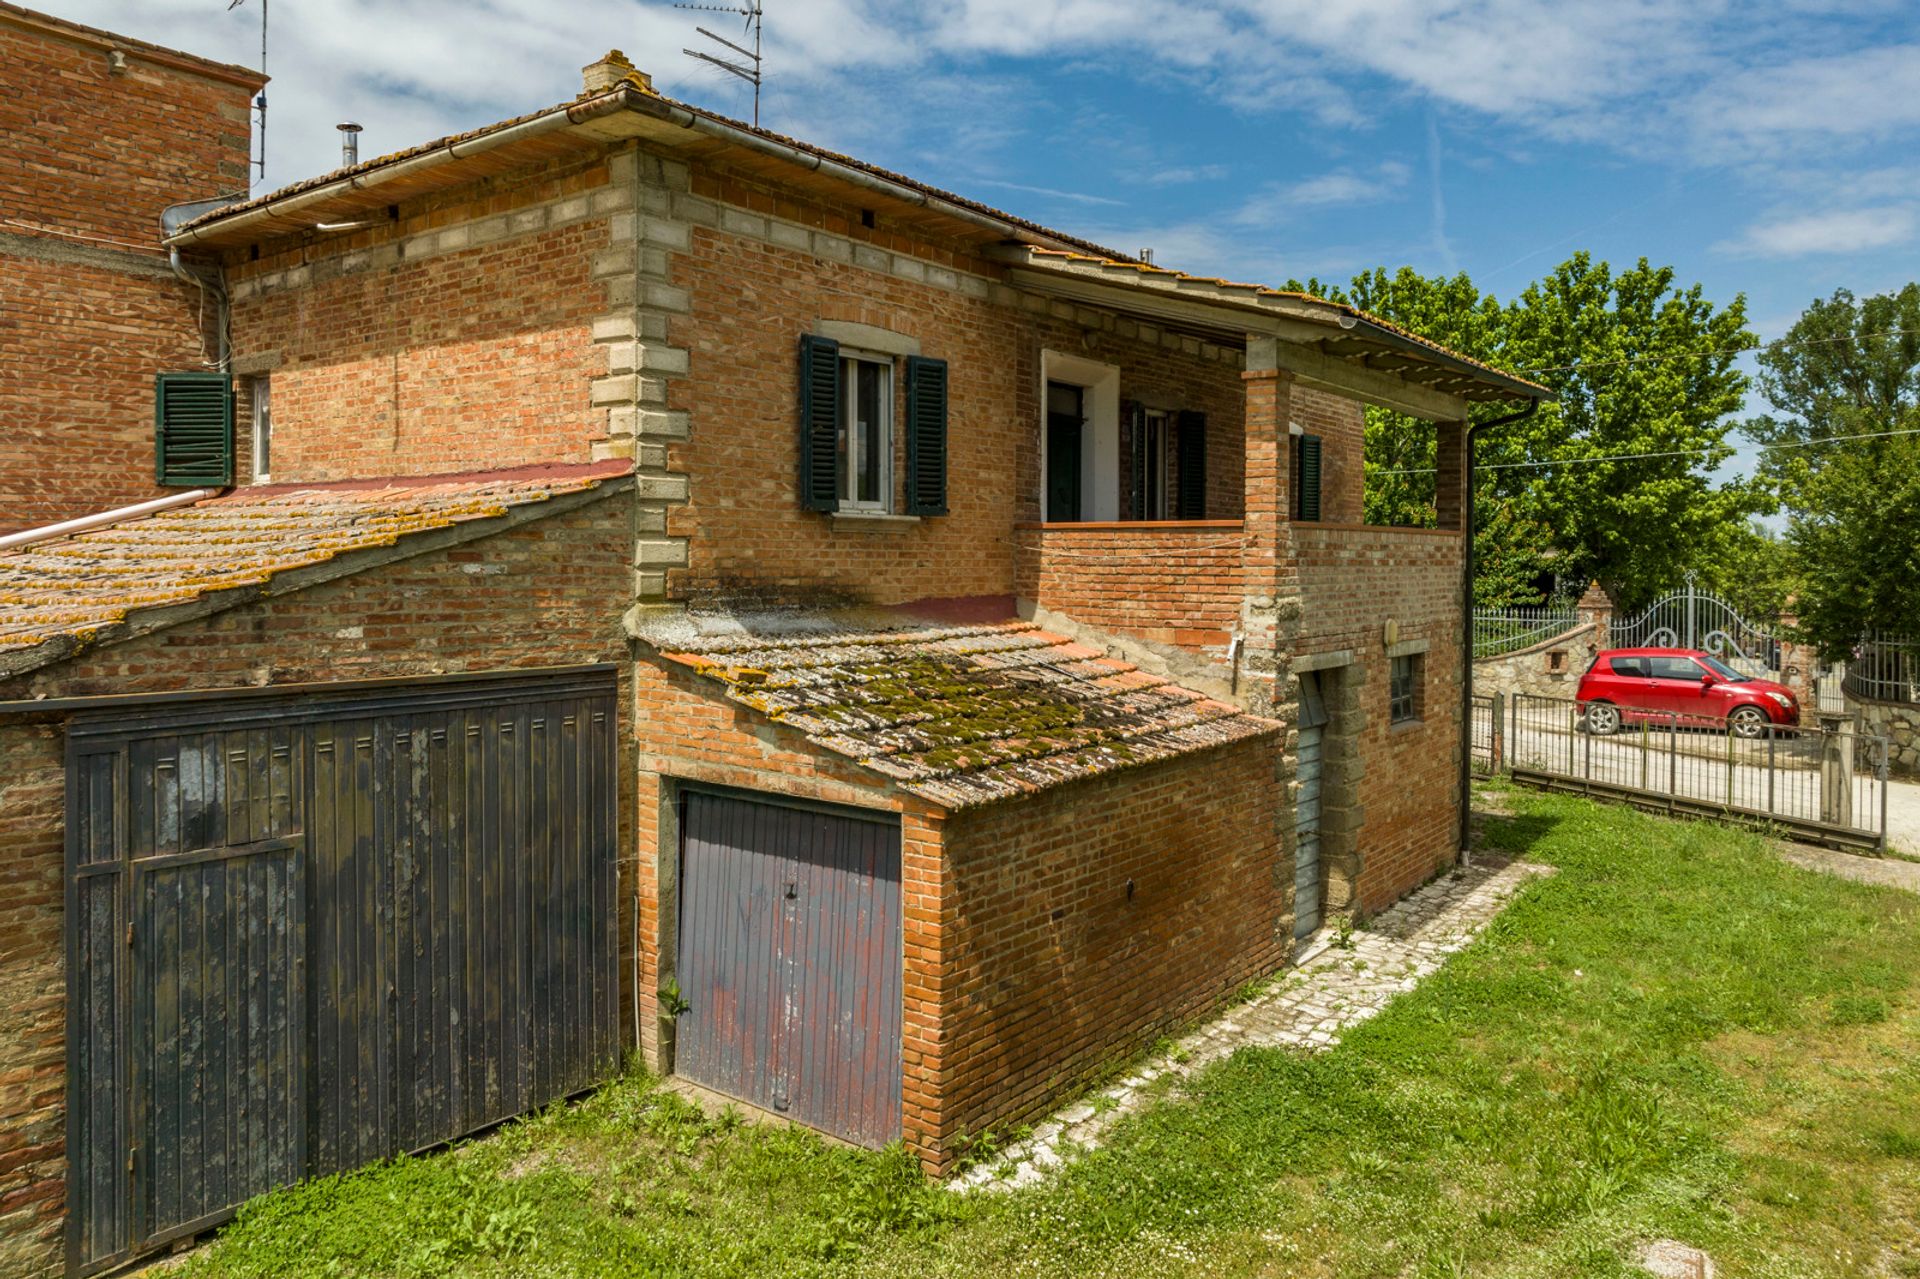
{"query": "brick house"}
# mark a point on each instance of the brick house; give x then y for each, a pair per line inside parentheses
(896, 772)
(103, 132)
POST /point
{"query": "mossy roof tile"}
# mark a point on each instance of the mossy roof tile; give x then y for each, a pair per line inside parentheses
(964, 715)
(81, 584)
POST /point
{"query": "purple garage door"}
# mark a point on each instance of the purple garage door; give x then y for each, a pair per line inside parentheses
(789, 961)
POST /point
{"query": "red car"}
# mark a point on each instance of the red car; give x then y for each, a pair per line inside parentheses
(1625, 683)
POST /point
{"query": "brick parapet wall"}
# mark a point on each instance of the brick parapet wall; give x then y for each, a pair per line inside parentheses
(1081, 923)
(1177, 587)
(544, 594)
(1354, 580)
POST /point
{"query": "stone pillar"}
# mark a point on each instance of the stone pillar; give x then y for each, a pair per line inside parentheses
(1596, 610)
(1836, 769)
(1450, 474)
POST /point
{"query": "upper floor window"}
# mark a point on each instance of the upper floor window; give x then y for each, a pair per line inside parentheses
(1156, 443)
(865, 444)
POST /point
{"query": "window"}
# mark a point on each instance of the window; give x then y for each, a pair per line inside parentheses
(1156, 441)
(865, 442)
(261, 394)
(1676, 668)
(1631, 667)
(1306, 477)
(1403, 689)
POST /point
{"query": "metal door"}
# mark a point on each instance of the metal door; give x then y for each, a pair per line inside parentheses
(310, 934)
(789, 959)
(1307, 888)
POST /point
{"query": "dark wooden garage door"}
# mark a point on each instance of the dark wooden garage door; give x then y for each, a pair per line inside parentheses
(309, 934)
(789, 961)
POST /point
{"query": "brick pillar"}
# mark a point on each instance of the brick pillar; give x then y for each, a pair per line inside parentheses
(1450, 474)
(1270, 607)
(1596, 610)
(1270, 600)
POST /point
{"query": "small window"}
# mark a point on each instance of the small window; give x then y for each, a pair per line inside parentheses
(1631, 667)
(261, 394)
(865, 443)
(1403, 689)
(1676, 668)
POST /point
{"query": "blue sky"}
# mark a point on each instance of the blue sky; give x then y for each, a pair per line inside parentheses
(1764, 148)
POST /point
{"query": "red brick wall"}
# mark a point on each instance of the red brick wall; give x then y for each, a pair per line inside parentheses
(81, 344)
(88, 311)
(752, 302)
(1179, 586)
(1353, 580)
(1048, 972)
(98, 154)
(545, 594)
(1341, 425)
(469, 360)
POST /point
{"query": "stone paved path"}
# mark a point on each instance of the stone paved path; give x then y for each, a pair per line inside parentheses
(1329, 989)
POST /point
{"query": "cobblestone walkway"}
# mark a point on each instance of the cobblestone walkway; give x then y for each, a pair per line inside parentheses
(1329, 989)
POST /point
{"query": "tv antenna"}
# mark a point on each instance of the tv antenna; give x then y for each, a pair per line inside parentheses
(260, 100)
(750, 72)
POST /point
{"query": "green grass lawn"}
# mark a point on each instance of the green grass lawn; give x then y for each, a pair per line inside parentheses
(1677, 1036)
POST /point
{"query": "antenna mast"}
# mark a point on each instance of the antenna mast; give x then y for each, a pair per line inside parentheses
(260, 101)
(751, 72)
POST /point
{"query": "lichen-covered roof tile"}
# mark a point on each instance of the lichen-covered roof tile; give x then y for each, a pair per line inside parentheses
(964, 715)
(80, 584)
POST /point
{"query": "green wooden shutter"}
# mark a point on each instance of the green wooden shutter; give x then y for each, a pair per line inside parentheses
(926, 436)
(1307, 502)
(193, 430)
(819, 423)
(1191, 452)
(1136, 415)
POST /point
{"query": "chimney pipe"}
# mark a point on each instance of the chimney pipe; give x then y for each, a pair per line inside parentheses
(349, 144)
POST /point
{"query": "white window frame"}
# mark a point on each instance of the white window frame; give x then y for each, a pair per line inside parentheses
(1159, 496)
(1100, 445)
(849, 406)
(260, 396)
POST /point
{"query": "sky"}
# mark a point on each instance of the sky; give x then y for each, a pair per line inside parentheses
(1769, 148)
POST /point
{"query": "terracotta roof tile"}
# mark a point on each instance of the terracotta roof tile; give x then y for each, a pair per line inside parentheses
(77, 586)
(964, 715)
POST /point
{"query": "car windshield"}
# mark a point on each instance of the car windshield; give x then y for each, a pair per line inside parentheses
(1721, 669)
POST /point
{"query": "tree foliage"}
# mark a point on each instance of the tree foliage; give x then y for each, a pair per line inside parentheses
(1848, 368)
(1614, 481)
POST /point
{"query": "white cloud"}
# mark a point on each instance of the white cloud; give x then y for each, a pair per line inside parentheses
(1834, 231)
(1346, 186)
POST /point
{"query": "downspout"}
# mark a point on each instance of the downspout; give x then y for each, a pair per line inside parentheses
(1473, 432)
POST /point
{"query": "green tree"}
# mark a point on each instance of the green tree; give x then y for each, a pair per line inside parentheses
(1614, 482)
(1848, 368)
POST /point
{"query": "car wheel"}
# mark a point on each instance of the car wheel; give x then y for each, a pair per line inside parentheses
(1603, 718)
(1748, 722)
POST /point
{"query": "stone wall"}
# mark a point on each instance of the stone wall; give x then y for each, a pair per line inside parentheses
(1551, 668)
(1900, 725)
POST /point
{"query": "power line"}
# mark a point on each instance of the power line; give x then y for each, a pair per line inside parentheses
(1635, 457)
(1724, 350)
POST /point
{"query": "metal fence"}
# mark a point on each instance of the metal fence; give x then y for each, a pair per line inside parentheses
(1486, 735)
(1884, 668)
(1508, 630)
(1825, 785)
(1693, 618)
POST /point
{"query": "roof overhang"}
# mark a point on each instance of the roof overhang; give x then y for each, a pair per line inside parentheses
(1326, 345)
(363, 193)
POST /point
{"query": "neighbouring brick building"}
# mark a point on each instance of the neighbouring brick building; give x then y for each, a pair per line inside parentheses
(1003, 675)
(103, 132)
